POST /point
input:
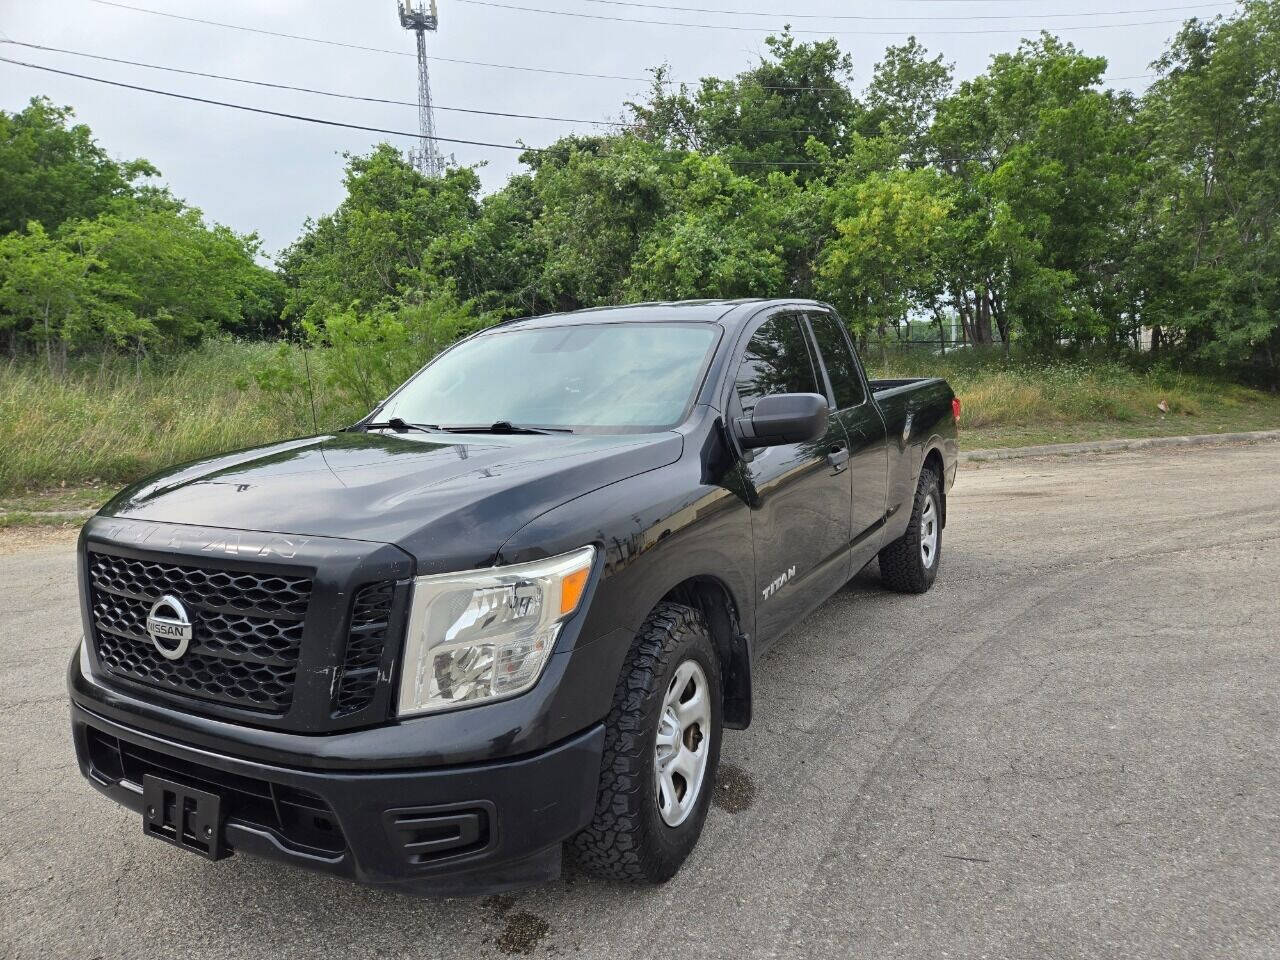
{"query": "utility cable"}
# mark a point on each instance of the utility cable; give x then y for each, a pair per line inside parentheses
(342, 96)
(270, 113)
(399, 53)
(414, 135)
(285, 86)
(357, 46)
(720, 11)
(824, 33)
(506, 66)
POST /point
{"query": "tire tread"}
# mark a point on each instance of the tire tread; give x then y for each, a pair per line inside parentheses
(901, 567)
(617, 844)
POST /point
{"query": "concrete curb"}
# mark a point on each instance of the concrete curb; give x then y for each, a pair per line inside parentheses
(1114, 446)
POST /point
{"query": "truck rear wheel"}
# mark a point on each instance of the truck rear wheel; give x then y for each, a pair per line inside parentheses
(910, 563)
(662, 747)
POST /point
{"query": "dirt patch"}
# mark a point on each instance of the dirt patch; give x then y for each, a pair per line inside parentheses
(735, 790)
(522, 934)
(21, 539)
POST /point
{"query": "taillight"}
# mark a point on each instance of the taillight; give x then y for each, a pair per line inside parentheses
(955, 408)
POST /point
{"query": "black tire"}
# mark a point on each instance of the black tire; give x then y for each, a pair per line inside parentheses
(902, 564)
(628, 838)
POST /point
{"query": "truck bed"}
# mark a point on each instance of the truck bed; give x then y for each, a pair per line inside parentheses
(915, 410)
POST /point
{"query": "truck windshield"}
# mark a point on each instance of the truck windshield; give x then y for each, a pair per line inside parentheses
(625, 377)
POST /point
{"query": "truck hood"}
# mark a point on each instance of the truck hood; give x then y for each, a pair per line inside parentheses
(450, 501)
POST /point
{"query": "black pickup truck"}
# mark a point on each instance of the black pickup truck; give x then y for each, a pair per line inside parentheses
(512, 610)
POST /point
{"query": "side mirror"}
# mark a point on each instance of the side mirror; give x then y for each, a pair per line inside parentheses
(784, 418)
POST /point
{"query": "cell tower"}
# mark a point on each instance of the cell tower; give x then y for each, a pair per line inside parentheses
(420, 18)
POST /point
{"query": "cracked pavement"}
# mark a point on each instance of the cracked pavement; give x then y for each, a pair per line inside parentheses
(1069, 748)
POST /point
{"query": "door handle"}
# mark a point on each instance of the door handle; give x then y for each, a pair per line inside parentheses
(838, 456)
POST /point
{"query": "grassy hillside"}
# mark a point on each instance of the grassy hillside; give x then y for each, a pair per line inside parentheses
(107, 425)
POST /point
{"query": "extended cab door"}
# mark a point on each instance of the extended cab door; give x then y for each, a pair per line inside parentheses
(864, 427)
(799, 493)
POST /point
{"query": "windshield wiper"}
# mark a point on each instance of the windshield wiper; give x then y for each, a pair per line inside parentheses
(506, 426)
(402, 426)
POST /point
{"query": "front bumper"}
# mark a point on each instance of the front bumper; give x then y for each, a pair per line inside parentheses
(461, 830)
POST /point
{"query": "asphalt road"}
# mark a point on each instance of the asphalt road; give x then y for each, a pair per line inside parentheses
(1069, 748)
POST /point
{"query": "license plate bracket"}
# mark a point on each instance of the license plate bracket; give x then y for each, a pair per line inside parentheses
(183, 816)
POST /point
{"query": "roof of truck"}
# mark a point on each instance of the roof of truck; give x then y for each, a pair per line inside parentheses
(705, 311)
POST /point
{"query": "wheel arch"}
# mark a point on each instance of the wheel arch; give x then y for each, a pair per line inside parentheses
(934, 461)
(712, 597)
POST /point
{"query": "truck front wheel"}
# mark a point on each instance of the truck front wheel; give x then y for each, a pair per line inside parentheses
(662, 747)
(910, 563)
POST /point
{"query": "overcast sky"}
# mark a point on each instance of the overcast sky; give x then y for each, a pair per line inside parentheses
(269, 174)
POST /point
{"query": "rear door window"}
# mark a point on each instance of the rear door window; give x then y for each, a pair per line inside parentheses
(838, 358)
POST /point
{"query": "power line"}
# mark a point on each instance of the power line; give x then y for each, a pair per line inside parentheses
(285, 86)
(406, 133)
(357, 46)
(270, 113)
(863, 17)
(348, 96)
(276, 113)
(309, 119)
(481, 63)
(365, 99)
(399, 53)
(824, 33)
(402, 53)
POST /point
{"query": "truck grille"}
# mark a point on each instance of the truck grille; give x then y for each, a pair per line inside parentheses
(247, 633)
(370, 617)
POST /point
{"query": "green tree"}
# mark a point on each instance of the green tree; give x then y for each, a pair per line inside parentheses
(370, 252)
(494, 260)
(52, 170)
(902, 99)
(366, 354)
(598, 201)
(762, 119)
(57, 297)
(723, 237)
(1206, 272)
(372, 353)
(886, 254)
(1046, 169)
(180, 279)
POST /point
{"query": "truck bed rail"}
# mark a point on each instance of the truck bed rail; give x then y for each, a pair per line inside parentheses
(888, 387)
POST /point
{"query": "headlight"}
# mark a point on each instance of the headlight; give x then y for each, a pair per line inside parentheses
(486, 634)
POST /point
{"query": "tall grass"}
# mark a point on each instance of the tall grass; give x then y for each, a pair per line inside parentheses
(113, 423)
(997, 391)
